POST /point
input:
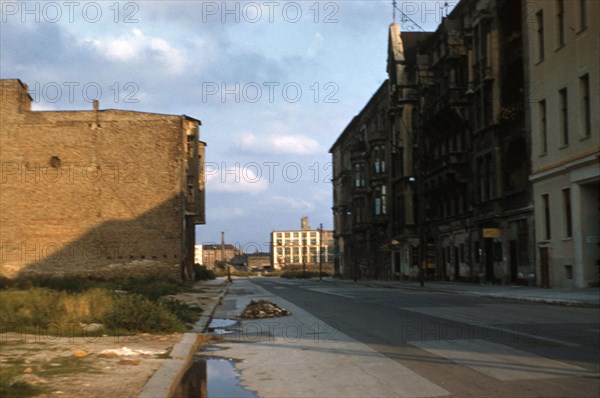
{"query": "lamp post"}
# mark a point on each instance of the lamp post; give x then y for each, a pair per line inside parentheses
(321, 251)
(303, 248)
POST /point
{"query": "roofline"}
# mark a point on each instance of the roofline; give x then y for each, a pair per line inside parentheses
(355, 118)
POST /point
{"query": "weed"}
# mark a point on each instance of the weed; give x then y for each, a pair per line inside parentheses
(139, 314)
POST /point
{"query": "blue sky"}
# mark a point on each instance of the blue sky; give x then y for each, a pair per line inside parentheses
(274, 83)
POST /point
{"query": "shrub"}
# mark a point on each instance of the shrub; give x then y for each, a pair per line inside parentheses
(12, 387)
(201, 273)
(184, 312)
(136, 313)
(150, 288)
(37, 306)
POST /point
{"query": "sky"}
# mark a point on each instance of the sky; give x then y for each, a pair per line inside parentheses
(273, 82)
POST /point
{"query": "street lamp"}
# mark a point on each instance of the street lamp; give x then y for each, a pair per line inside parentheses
(321, 251)
(303, 248)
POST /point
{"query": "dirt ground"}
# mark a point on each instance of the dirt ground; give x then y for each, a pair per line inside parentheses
(86, 367)
(94, 366)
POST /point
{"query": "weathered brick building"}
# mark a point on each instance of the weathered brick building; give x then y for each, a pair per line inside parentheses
(100, 193)
(213, 254)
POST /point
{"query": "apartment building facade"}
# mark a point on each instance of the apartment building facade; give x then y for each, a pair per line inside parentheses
(462, 203)
(305, 248)
(374, 181)
(563, 50)
(475, 157)
(99, 192)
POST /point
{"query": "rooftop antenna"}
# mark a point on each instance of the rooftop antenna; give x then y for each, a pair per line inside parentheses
(394, 9)
(445, 9)
(405, 18)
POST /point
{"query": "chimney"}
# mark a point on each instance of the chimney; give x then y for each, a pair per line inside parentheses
(222, 246)
(304, 224)
(96, 122)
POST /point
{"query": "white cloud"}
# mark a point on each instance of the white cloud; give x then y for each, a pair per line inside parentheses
(235, 179)
(285, 144)
(227, 213)
(293, 203)
(42, 106)
(136, 46)
(315, 46)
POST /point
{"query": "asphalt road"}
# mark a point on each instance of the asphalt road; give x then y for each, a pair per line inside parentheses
(468, 346)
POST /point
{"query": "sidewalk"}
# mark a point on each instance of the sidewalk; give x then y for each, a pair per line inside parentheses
(589, 297)
(301, 356)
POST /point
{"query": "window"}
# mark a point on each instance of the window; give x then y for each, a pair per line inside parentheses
(564, 116)
(546, 205)
(488, 105)
(543, 127)
(567, 209)
(586, 111)
(568, 272)
(488, 178)
(359, 211)
(540, 34)
(359, 175)
(379, 159)
(560, 23)
(583, 14)
(380, 201)
(480, 180)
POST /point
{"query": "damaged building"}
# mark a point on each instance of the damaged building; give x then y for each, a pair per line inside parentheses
(97, 193)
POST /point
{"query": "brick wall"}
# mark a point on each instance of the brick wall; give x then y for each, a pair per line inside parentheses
(91, 191)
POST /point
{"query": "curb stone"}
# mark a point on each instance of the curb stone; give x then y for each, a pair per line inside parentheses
(164, 382)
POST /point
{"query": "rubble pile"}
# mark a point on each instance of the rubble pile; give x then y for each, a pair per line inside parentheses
(263, 309)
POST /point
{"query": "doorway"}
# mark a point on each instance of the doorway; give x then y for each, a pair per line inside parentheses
(514, 266)
(545, 265)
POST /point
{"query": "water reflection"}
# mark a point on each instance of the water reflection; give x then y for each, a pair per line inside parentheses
(212, 378)
(223, 380)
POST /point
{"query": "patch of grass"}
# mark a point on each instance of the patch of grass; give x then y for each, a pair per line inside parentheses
(43, 310)
(139, 314)
(42, 306)
(11, 387)
(65, 365)
(152, 289)
(186, 313)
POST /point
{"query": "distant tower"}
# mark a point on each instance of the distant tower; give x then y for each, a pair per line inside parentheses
(222, 246)
(304, 224)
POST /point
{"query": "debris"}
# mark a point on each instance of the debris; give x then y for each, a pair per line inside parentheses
(263, 309)
(80, 354)
(124, 351)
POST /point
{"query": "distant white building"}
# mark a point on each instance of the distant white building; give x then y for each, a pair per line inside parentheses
(298, 248)
(198, 255)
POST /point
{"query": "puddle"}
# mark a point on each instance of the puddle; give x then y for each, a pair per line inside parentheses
(222, 326)
(223, 380)
(212, 378)
(213, 349)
